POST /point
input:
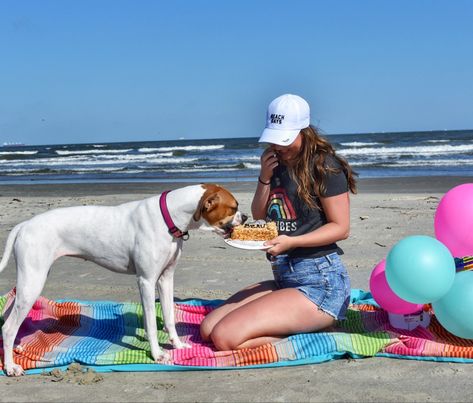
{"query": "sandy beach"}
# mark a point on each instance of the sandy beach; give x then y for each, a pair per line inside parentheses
(382, 213)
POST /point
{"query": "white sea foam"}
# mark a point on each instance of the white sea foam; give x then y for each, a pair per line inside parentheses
(252, 166)
(199, 169)
(363, 163)
(149, 149)
(413, 163)
(73, 169)
(18, 152)
(434, 162)
(437, 141)
(239, 158)
(75, 152)
(413, 150)
(101, 160)
(206, 168)
(184, 148)
(359, 144)
(92, 169)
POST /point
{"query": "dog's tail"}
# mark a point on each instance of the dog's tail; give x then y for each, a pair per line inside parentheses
(9, 246)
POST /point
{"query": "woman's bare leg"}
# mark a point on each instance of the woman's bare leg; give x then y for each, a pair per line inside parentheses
(242, 297)
(272, 316)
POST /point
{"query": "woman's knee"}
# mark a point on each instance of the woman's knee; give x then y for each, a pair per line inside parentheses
(211, 319)
(206, 327)
(222, 338)
(218, 335)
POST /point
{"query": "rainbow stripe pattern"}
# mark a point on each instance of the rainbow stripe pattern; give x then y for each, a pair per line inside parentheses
(110, 337)
(280, 205)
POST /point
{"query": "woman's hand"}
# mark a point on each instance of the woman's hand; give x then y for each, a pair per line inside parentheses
(280, 244)
(269, 161)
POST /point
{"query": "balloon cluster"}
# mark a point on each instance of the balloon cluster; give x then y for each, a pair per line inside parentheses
(421, 269)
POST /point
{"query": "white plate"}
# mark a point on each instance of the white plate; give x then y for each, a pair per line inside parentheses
(248, 245)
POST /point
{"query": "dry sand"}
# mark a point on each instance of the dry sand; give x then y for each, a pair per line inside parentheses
(384, 211)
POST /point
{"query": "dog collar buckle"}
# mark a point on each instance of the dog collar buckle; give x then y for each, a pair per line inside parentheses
(173, 230)
(177, 233)
(185, 236)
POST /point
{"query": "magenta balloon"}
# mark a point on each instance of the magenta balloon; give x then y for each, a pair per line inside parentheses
(385, 297)
(453, 221)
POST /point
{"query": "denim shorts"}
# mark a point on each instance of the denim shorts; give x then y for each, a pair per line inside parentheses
(324, 280)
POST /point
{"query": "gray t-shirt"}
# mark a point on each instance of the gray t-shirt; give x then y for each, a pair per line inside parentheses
(293, 217)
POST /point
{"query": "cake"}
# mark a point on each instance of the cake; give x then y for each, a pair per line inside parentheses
(255, 231)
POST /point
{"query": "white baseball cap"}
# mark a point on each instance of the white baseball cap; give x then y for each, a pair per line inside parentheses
(287, 115)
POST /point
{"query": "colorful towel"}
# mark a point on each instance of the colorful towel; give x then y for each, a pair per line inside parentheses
(110, 337)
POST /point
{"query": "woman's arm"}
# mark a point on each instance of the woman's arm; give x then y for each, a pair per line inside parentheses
(337, 211)
(260, 199)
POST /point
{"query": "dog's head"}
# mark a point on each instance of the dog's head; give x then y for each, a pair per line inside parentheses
(219, 208)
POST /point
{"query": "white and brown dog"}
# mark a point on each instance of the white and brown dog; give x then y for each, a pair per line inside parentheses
(142, 237)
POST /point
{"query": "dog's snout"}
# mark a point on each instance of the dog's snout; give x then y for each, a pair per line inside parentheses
(244, 217)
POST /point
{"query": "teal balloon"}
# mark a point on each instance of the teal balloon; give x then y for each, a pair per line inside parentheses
(420, 269)
(454, 309)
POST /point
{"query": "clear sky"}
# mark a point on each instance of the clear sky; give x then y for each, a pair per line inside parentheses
(112, 70)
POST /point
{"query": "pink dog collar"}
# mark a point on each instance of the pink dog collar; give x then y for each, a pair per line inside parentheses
(173, 230)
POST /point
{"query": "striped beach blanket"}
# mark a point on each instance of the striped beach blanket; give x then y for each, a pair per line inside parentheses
(465, 263)
(110, 337)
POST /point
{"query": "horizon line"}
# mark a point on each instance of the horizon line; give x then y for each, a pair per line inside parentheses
(19, 144)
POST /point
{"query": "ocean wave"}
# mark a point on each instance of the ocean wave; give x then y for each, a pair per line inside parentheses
(383, 154)
(124, 159)
(241, 158)
(126, 169)
(19, 152)
(149, 149)
(437, 141)
(75, 152)
(252, 166)
(359, 144)
(416, 150)
(432, 163)
(183, 148)
(413, 163)
(200, 169)
(35, 170)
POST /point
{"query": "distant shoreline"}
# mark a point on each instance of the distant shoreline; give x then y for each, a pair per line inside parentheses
(420, 184)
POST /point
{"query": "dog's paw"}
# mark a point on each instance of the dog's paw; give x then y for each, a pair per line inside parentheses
(177, 343)
(181, 344)
(14, 370)
(18, 349)
(162, 357)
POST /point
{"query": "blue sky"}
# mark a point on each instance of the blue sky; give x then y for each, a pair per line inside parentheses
(111, 70)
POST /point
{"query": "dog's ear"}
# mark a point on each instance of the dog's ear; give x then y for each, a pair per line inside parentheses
(206, 205)
(211, 202)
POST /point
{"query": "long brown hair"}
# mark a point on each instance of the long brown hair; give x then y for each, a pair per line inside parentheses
(310, 171)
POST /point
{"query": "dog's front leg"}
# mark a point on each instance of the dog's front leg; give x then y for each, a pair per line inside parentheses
(166, 297)
(148, 295)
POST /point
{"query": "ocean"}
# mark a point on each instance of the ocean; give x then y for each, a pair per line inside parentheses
(372, 155)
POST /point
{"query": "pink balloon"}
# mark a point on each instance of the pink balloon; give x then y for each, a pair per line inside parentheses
(453, 221)
(385, 297)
